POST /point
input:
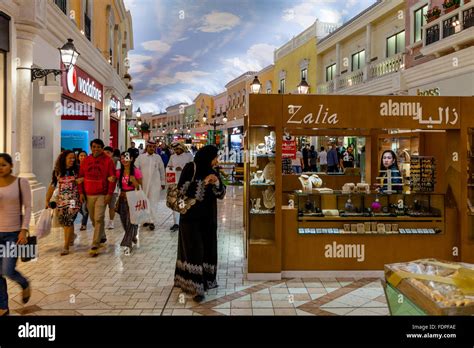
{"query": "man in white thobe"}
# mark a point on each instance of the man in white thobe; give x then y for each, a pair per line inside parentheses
(177, 161)
(154, 179)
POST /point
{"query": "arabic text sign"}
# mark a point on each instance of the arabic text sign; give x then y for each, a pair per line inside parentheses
(444, 116)
(363, 112)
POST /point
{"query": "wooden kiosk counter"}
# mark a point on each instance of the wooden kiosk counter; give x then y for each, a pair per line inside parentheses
(320, 232)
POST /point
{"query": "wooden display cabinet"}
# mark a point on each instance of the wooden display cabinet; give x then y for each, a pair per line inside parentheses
(282, 251)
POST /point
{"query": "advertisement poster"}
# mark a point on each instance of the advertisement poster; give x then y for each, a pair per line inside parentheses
(74, 139)
(289, 147)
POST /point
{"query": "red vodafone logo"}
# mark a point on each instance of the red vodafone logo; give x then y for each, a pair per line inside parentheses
(71, 80)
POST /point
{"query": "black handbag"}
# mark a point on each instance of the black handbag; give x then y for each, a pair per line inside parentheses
(29, 249)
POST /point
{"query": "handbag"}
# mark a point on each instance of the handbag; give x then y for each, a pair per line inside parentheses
(177, 201)
(31, 240)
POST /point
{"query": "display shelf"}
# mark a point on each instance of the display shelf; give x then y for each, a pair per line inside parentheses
(261, 242)
(402, 231)
(265, 156)
(252, 213)
(369, 218)
(262, 185)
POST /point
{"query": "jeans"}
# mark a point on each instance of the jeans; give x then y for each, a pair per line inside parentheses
(85, 214)
(8, 268)
(296, 169)
(332, 169)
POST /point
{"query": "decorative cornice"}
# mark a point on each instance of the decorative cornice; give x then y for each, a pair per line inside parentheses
(358, 23)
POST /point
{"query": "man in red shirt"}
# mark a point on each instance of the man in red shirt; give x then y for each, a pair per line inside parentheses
(98, 171)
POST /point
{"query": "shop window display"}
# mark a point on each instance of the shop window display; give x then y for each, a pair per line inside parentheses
(261, 174)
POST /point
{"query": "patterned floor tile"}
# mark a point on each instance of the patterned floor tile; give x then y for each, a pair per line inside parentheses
(142, 283)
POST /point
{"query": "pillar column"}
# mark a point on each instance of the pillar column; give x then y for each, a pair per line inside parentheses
(338, 65)
(24, 115)
(24, 101)
(368, 51)
(105, 135)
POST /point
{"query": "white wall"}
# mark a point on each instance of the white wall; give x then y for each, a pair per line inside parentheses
(462, 85)
(45, 123)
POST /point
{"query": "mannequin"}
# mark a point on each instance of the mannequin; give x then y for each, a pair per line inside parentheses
(269, 198)
(307, 186)
(270, 142)
(269, 172)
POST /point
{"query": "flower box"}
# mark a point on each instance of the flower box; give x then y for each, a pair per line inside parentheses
(450, 9)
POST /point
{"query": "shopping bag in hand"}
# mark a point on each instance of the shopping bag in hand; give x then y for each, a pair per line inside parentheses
(170, 176)
(139, 207)
(43, 227)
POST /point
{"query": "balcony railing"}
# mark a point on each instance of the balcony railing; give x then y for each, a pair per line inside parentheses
(449, 24)
(353, 79)
(326, 88)
(372, 71)
(387, 66)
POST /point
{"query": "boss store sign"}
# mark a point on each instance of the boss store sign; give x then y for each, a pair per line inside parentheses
(80, 86)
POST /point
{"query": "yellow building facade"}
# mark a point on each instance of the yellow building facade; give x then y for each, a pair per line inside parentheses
(297, 59)
(266, 77)
(108, 25)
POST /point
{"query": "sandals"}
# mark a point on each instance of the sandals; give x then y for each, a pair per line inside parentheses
(64, 252)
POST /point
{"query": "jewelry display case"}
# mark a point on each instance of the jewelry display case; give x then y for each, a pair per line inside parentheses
(261, 184)
(418, 213)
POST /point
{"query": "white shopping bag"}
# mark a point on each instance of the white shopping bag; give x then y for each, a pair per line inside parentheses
(43, 227)
(139, 207)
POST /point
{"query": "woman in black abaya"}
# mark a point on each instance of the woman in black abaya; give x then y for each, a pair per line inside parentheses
(196, 265)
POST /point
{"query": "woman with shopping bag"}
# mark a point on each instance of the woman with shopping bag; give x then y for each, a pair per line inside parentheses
(129, 179)
(43, 227)
(65, 179)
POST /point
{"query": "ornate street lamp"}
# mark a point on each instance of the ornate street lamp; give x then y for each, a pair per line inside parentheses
(256, 85)
(69, 54)
(138, 112)
(69, 57)
(224, 119)
(127, 100)
(204, 118)
(303, 87)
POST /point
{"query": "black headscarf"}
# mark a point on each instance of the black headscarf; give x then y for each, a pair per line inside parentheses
(203, 160)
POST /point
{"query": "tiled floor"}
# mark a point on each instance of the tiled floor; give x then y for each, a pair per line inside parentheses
(142, 283)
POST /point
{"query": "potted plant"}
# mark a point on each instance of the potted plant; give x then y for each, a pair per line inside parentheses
(451, 5)
(432, 14)
(145, 129)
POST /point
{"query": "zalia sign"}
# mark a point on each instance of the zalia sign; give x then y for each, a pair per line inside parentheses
(320, 118)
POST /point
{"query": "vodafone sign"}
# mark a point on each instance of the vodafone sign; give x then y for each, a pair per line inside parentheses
(79, 85)
(71, 80)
